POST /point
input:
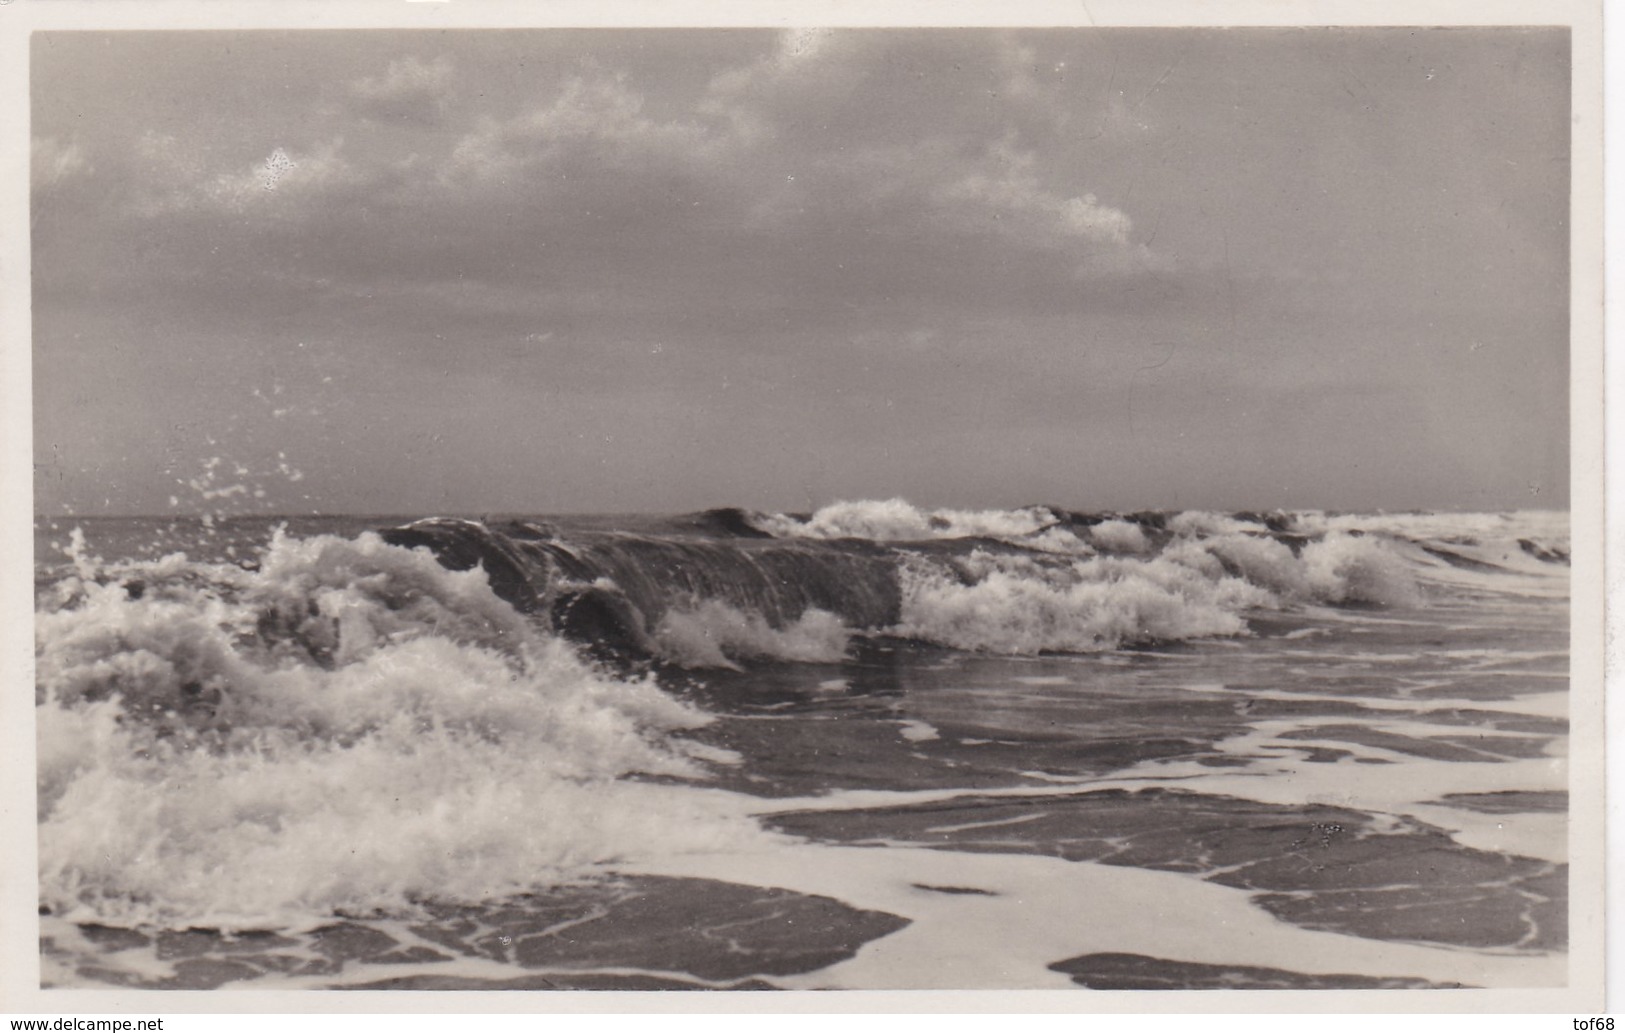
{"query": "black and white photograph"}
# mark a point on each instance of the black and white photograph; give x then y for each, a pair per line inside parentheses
(786, 506)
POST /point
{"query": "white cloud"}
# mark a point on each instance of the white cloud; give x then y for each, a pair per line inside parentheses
(969, 168)
(410, 88)
(175, 179)
(596, 122)
(801, 44)
(1017, 65)
(808, 72)
(54, 162)
(283, 173)
(1003, 194)
(591, 186)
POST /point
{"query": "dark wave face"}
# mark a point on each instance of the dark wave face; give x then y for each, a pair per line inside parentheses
(617, 591)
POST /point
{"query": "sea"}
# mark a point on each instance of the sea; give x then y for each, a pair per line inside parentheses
(876, 746)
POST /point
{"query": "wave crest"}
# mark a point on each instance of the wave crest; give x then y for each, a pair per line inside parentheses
(1015, 605)
(714, 634)
(351, 726)
(896, 520)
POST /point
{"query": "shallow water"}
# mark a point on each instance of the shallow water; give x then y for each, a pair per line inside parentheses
(1044, 750)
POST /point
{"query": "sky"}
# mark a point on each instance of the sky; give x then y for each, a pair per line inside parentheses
(551, 271)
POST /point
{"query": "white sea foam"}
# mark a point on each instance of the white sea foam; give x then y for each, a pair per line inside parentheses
(1342, 568)
(715, 634)
(1369, 559)
(353, 728)
(918, 731)
(1197, 522)
(895, 520)
(1012, 604)
(1055, 540)
(1118, 536)
(1032, 911)
(349, 727)
(1194, 588)
(1550, 525)
(1339, 568)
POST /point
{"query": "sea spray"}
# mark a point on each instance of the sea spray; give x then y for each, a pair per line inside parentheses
(349, 728)
(333, 729)
(1020, 581)
(259, 742)
(1017, 605)
(1118, 536)
(1042, 579)
(714, 634)
(897, 520)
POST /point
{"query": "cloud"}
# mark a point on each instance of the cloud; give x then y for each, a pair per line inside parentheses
(960, 163)
(828, 169)
(281, 184)
(808, 81)
(410, 90)
(595, 127)
(1004, 188)
(967, 218)
(54, 163)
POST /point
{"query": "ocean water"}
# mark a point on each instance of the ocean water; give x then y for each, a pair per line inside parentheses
(870, 747)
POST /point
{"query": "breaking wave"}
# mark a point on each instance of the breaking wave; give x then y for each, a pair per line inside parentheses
(754, 586)
(458, 710)
(351, 727)
(895, 520)
(715, 634)
(1016, 604)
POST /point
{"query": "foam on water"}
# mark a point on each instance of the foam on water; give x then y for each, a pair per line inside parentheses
(1021, 605)
(1198, 522)
(1548, 525)
(1011, 604)
(895, 520)
(917, 731)
(715, 634)
(1338, 568)
(1119, 536)
(351, 727)
(1018, 603)
(1016, 582)
(1190, 575)
(1025, 912)
(1278, 772)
